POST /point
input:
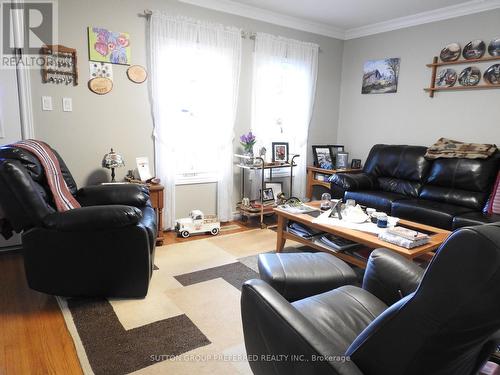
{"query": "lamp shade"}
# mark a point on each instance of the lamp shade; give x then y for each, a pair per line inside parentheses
(112, 160)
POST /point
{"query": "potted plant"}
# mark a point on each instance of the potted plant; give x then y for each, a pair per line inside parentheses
(248, 141)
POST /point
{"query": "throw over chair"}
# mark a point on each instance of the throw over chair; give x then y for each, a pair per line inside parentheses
(399, 323)
(105, 248)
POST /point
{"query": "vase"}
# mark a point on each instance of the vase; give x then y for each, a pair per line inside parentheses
(249, 160)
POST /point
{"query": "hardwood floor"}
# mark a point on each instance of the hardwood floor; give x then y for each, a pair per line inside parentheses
(33, 334)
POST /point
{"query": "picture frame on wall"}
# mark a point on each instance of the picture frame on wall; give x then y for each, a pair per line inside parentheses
(280, 152)
(323, 156)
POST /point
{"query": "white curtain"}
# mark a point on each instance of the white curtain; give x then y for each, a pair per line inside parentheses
(195, 69)
(284, 87)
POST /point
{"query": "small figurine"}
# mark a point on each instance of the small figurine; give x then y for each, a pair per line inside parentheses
(262, 153)
(280, 199)
(197, 222)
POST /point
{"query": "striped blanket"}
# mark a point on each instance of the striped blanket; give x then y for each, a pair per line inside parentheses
(63, 198)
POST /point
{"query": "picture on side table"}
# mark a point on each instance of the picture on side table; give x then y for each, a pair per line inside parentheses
(267, 195)
(342, 160)
(356, 164)
(323, 157)
(277, 187)
(380, 76)
(280, 151)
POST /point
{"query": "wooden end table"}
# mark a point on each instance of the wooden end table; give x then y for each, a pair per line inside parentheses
(437, 237)
(156, 196)
(313, 181)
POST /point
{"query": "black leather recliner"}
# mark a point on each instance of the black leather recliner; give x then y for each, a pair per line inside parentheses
(105, 248)
(401, 322)
(445, 193)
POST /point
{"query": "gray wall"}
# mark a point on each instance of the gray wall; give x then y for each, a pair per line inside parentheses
(122, 119)
(410, 116)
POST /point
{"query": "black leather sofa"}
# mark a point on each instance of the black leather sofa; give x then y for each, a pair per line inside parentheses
(402, 321)
(105, 248)
(445, 193)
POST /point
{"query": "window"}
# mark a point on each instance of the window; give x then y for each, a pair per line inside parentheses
(197, 87)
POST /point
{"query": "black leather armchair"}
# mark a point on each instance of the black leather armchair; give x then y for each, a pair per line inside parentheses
(401, 322)
(105, 248)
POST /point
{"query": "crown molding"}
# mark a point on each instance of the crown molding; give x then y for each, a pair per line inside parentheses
(248, 11)
(453, 11)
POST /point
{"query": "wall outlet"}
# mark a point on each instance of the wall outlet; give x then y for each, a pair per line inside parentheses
(47, 103)
(67, 104)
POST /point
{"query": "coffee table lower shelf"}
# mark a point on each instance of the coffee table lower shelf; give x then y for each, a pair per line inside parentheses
(357, 261)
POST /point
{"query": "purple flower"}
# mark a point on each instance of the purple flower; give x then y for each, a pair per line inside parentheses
(247, 141)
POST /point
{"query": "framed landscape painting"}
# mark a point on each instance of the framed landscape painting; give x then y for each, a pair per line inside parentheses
(109, 46)
(380, 76)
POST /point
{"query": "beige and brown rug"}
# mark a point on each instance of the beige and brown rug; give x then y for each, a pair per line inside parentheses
(190, 321)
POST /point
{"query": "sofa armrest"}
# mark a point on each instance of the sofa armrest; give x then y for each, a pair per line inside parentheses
(126, 194)
(280, 340)
(390, 276)
(353, 181)
(93, 218)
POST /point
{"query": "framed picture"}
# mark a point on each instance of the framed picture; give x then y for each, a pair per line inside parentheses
(356, 164)
(276, 186)
(380, 76)
(342, 160)
(323, 156)
(280, 151)
(109, 46)
(267, 195)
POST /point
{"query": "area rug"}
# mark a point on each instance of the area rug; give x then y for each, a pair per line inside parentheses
(190, 321)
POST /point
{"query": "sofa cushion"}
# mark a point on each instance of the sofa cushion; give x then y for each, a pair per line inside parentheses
(380, 200)
(428, 212)
(342, 313)
(398, 169)
(464, 182)
(474, 218)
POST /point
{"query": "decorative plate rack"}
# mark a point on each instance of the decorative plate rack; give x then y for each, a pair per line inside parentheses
(60, 66)
(436, 64)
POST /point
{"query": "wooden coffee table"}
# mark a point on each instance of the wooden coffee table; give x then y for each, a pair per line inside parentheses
(437, 237)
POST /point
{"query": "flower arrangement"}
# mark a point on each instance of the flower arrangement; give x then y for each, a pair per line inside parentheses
(247, 141)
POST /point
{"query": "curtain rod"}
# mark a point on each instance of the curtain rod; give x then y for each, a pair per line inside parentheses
(244, 34)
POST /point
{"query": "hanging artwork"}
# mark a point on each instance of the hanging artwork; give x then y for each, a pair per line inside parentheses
(109, 46)
(380, 76)
(100, 69)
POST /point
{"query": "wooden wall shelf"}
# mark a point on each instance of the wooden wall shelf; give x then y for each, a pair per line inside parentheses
(435, 64)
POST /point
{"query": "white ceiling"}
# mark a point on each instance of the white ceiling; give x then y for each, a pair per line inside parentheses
(347, 19)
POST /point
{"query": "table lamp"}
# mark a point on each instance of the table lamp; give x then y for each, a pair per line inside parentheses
(111, 161)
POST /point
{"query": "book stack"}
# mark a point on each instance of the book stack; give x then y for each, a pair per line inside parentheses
(404, 237)
(336, 243)
(301, 230)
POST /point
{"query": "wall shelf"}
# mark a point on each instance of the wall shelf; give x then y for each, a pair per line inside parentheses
(435, 64)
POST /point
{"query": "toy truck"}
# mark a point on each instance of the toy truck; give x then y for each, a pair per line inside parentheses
(197, 222)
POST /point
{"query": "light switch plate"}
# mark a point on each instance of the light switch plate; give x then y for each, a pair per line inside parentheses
(67, 104)
(47, 103)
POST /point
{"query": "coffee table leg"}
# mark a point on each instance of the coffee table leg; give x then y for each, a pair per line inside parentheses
(280, 239)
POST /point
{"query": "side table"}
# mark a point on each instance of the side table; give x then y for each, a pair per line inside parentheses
(313, 181)
(156, 196)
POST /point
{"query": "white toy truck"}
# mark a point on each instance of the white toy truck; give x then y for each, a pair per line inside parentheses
(197, 223)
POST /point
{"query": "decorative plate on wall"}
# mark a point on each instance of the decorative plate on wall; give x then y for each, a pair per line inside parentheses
(470, 76)
(494, 47)
(137, 74)
(446, 78)
(492, 75)
(474, 49)
(451, 52)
